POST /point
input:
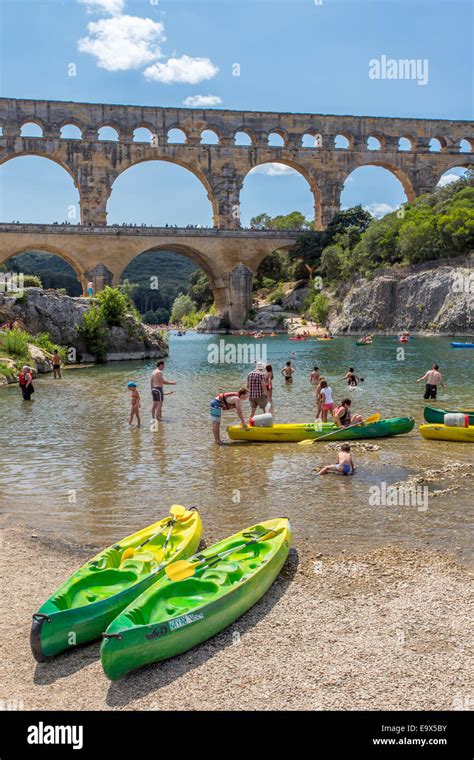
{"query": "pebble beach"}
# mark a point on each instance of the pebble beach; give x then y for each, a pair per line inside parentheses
(386, 630)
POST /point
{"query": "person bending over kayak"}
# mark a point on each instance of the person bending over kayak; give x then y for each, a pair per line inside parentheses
(327, 400)
(342, 414)
(433, 378)
(157, 393)
(344, 466)
(288, 371)
(226, 401)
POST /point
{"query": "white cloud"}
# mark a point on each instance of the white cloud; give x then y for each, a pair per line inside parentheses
(114, 7)
(181, 70)
(446, 179)
(272, 170)
(202, 101)
(380, 209)
(123, 42)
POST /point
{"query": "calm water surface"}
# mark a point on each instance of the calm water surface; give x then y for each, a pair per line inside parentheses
(71, 468)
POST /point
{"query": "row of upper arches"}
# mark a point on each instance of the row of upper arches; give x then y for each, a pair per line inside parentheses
(275, 139)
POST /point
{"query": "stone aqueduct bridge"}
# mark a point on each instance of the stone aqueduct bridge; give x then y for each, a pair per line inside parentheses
(101, 254)
(95, 164)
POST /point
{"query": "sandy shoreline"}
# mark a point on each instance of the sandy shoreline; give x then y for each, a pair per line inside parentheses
(386, 630)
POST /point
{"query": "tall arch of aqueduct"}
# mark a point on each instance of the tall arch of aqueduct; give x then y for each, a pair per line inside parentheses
(228, 254)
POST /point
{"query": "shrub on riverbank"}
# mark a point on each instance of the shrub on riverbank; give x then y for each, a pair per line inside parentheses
(93, 332)
(14, 343)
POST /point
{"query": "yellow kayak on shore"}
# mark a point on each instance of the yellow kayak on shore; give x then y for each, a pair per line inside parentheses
(440, 432)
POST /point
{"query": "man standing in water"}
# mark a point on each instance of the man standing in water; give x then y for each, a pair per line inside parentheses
(157, 394)
(433, 378)
(256, 386)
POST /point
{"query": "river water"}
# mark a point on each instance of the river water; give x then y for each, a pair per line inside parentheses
(71, 468)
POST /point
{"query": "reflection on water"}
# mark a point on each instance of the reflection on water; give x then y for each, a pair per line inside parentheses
(71, 466)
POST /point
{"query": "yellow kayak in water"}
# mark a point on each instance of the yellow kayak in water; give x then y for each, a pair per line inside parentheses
(440, 432)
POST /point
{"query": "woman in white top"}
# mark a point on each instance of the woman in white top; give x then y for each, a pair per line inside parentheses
(327, 400)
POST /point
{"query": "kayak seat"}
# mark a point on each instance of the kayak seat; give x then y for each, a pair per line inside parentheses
(179, 597)
(100, 585)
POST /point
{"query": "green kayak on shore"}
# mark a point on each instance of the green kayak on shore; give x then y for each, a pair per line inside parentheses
(436, 416)
(180, 611)
(82, 608)
(301, 431)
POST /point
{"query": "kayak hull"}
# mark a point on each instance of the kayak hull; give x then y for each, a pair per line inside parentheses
(82, 607)
(437, 415)
(293, 433)
(447, 433)
(147, 632)
(454, 344)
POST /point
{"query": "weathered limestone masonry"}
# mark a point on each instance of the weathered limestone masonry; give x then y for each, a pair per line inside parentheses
(95, 164)
(101, 254)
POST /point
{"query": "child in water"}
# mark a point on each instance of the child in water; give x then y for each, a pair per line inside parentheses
(135, 399)
(344, 466)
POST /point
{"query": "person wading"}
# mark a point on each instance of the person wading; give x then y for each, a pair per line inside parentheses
(157, 393)
(26, 383)
(256, 386)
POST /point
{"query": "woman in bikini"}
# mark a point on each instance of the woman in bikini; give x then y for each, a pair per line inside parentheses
(268, 383)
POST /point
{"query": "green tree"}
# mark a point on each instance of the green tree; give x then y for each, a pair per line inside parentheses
(200, 289)
(113, 305)
(183, 306)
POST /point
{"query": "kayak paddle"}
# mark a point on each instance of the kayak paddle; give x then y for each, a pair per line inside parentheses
(177, 511)
(182, 569)
(372, 418)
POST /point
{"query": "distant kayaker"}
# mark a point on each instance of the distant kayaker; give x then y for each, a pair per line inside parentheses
(256, 387)
(433, 378)
(226, 401)
(344, 466)
(315, 376)
(25, 379)
(135, 403)
(327, 400)
(288, 371)
(56, 360)
(157, 394)
(342, 414)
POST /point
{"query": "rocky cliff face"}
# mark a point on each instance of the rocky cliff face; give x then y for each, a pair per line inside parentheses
(437, 300)
(60, 316)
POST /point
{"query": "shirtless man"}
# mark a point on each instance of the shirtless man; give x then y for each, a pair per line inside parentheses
(157, 393)
(433, 378)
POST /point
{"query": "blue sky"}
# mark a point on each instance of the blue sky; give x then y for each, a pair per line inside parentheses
(294, 55)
